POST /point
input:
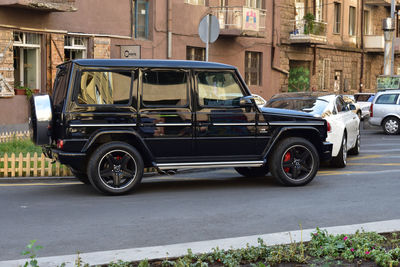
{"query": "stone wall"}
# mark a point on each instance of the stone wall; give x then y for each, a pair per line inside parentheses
(6, 63)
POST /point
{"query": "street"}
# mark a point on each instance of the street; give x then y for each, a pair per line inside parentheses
(67, 217)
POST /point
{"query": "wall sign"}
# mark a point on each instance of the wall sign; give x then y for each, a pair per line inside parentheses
(130, 51)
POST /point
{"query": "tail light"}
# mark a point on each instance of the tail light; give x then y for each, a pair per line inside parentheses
(60, 144)
(328, 127)
(371, 110)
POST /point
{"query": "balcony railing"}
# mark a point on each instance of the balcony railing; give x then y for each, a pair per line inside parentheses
(312, 32)
(240, 21)
(42, 5)
(376, 43)
(380, 2)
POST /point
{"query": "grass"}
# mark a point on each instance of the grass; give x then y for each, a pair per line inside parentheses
(17, 146)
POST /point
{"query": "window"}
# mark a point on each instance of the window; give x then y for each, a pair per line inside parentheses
(341, 105)
(253, 4)
(26, 48)
(352, 21)
(196, 2)
(75, 47)
(105, 88)
(252, 70)
(195, 53)
(337, 18)
(218, 89)
(141, 19)
(367, 22)
(387, 99)
(319, 10)
(165, 88)
(326, 74)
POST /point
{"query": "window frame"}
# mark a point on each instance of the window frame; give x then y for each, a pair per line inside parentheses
(352, 21)
(196, 2)
(235, 77)
(188, 78)
(77, 85)
(136, 19)
(73, 47)
(193, 50)
(248, 57)
(337, 16)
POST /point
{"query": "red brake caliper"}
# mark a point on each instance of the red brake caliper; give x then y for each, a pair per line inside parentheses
(286, 158)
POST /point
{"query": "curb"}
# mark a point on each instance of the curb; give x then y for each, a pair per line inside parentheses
(178, 250)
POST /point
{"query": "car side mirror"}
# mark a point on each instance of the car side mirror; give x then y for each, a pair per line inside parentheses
(246, 101)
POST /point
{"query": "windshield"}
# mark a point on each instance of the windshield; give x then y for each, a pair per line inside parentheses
(315, 106)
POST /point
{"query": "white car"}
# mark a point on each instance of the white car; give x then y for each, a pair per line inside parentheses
(343, 124)
(364, 100)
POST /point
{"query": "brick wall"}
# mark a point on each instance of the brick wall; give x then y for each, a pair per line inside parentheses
(102, 48)
(6, 62)
(55, 52)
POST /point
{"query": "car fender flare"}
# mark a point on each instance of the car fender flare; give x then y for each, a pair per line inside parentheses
(390, 115)
(137, 137)
(276, 137)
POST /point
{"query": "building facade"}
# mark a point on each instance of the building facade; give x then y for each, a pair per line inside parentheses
(37, 35)
(340, 42)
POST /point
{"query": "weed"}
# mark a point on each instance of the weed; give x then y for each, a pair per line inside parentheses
(31, 250)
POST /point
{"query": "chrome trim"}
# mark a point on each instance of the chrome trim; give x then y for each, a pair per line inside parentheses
(262, 124)
(295, 123)
(173, 124)
(228, 164)
(104, 125)
(234, 124)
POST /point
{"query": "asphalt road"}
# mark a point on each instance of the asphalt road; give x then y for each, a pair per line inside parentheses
(68, 217)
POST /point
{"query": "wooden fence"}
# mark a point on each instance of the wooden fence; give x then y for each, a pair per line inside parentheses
(30, 166)
(9, 136)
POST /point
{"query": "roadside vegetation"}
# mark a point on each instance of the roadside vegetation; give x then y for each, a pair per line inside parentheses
(359, 249)
(19, 146)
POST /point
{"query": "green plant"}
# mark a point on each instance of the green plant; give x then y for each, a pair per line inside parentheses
(309, 23)
(299, 79)
(30, 250)
(28, 91)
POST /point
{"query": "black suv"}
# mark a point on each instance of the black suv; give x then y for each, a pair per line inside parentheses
(109, 119)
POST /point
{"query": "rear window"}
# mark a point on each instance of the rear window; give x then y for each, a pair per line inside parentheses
(387, 99)
(363, 97)
(61, 85)
(314, 106)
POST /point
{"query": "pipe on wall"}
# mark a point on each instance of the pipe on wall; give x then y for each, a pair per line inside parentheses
(169, 29)
(362, 48)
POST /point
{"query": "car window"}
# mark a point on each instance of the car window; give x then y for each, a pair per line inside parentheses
(218, 89)
(387, 99)
(362, 98)
(371, 98)
(341, 105)
(105, 88)
(164, 88)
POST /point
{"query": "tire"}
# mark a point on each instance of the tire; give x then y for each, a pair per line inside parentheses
(356, 149)
(81, 176)
(340, 161)
(359, 115)
(294, 161)
(391, 125)
(252, 171)
(115, 168)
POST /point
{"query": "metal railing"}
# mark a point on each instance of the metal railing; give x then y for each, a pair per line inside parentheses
(305, 27)
(240, 18)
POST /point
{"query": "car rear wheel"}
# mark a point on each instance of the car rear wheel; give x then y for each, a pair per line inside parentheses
(391, 125)
(115, 168)
(294, 162)
(252, 171)
(81, 176)
(340, 161)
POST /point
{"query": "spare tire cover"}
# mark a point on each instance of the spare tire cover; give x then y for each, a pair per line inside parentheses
(40, 119)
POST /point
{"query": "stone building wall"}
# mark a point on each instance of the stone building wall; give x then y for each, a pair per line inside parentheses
(6, 63)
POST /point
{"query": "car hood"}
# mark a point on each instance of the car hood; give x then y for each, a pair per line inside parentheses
(287, 112)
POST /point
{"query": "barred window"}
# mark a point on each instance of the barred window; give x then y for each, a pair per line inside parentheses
(195, 53)
(252, 71)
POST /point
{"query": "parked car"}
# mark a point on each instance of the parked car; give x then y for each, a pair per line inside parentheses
(385, 111)
(343, 124)
(364, 100)
(260, 101)
(109, 119)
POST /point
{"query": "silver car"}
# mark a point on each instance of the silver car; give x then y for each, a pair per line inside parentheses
(385, 111)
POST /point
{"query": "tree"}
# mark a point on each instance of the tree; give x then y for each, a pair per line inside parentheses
(299, 79)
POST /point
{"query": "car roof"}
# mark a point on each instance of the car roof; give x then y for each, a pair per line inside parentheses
(151, 63)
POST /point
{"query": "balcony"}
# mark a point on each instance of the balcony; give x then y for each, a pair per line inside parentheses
(42, 5)
(306, 32)
(380, 2)
(374, 43)
(240, 21)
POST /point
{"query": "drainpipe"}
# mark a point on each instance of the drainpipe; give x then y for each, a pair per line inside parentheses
(277, 68)
(362, 48)
(169, 29)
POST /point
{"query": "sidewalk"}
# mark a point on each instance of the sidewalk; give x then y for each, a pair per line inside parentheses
(178, 250)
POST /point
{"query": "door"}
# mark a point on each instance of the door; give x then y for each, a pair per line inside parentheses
(225, 130)
(350, 119)
(165, 116)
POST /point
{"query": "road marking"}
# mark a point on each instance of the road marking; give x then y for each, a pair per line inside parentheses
(365, 157)
(39, 184)
(326, 173)
(181, 249)
(373, 164)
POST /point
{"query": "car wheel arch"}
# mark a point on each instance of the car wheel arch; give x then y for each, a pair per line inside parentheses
(389, 116)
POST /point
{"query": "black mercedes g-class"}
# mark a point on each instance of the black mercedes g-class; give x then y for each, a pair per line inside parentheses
(109, 119)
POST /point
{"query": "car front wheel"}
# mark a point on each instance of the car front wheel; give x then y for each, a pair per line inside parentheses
(115, 168)
(340, 160)
(294, 161)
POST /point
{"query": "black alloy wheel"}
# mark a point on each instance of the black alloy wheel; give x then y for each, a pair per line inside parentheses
(115, 168)
(294, 162)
